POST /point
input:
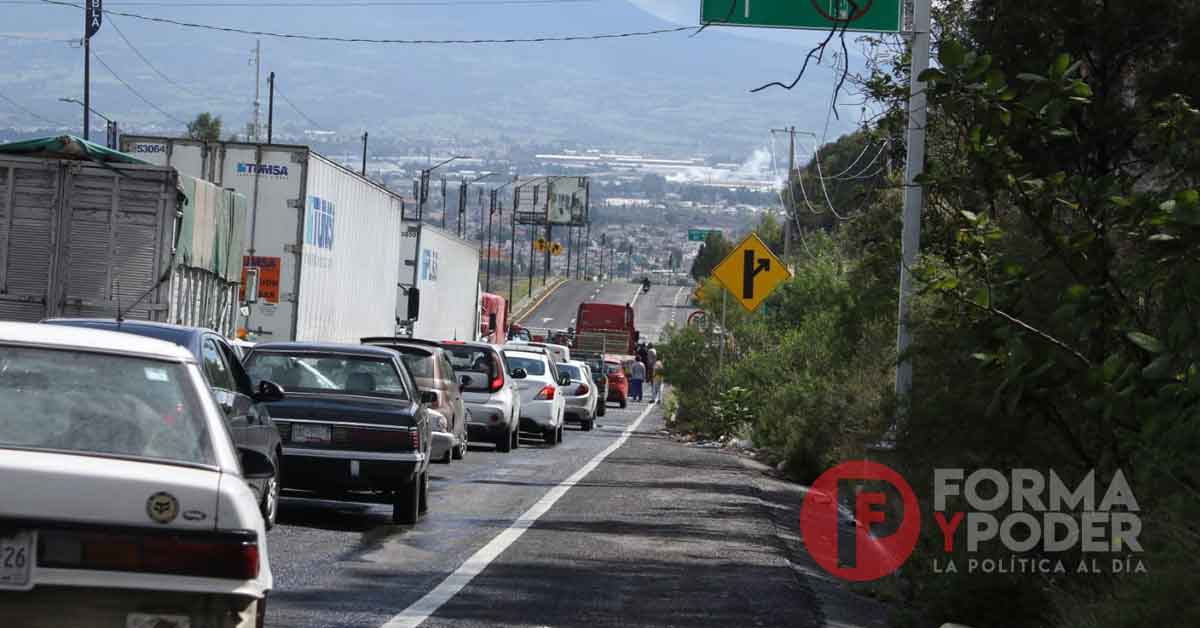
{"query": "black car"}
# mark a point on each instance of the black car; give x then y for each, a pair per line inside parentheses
(354, 424)
(595, 362)
(245, 406)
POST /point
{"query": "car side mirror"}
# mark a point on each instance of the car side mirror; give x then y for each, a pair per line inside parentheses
(255, 464)
(269, 391)
(428, 397)
(519, 373)
(464, 381)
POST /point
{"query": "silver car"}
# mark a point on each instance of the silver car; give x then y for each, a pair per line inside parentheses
(489, 391)
(581, 396)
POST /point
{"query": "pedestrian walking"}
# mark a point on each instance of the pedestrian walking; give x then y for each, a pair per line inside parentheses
(656, 389)
(637, 374)
(651, 361)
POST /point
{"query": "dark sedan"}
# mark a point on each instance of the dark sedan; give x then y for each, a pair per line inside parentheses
(245, 406)
(353, 425)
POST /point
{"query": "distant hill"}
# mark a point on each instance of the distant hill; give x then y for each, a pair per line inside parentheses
(667, 92)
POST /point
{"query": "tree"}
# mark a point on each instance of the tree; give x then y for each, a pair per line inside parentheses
(712, 252)
(205, 127)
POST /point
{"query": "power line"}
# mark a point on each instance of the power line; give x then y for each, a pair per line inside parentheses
(321, 5)
(136, 92)
(368, 40)
(297, 109)
(29, 112)
(28, 38)
(141, 56)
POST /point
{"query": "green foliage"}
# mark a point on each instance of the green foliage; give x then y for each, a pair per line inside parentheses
(712, 252)
(205, 127)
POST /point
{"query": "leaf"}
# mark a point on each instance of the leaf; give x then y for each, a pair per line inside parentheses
(969, 215)
(951, 54)
(1112, 366)
(1160, 368)
(1082, 89)
(931, 75)
(994, 78)
(1077, 292)
(1187, 198)
(1061, 63)
(982, 298)
(1162, 237)
(1145, 341)
(1005, 116)
(1062, 132)
(1031, 78)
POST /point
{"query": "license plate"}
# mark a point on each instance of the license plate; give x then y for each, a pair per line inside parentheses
(16, 558)
(310, 433)
(146, 620)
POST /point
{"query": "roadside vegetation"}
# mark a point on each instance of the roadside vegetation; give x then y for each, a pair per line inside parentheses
(1058, 319)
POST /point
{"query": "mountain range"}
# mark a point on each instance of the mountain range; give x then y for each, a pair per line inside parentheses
(674, 92)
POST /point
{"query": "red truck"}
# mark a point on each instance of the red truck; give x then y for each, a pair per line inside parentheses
(605, 328)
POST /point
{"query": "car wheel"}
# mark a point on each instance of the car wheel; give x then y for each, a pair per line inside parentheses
(504, 442)
(448, 457)
(460, 452)
(270, 499)
(560, 433)
(407, 505)
(516, 438)
(587, 425)
(624, 403)
(424, 505)
(550, 436)
(602, 408)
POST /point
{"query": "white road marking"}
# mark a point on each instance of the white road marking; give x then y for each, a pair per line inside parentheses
(425, 607)
(547, 319)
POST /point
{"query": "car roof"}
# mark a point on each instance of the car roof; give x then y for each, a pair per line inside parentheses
(540, 354)
(325, 347)
(163, 331)
(393, 340)
(68, 337)
(528, 348)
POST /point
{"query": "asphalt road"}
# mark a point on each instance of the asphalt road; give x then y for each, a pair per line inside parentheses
(652, 311)
(620, 526)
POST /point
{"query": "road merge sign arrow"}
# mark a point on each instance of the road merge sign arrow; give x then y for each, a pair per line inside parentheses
(751, 272)
(556, 248)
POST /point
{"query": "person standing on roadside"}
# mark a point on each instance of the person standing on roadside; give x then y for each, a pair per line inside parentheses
(651, 361)
(656, 387)
(637, 374)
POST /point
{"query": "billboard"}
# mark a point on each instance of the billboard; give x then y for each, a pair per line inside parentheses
(568, 200)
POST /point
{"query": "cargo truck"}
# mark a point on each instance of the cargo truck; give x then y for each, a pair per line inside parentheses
(89, 232)
(323, 242)
(444, 269)
(605, 328)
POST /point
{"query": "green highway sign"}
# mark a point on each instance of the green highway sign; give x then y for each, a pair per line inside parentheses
(699, 235)
(881, 16)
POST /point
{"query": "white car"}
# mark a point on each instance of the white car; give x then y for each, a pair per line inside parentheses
(542, 400)
(123, 500)
(490, 392)
(580, 396)
(558, 353)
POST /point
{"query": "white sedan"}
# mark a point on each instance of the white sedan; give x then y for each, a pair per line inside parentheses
(123, 500)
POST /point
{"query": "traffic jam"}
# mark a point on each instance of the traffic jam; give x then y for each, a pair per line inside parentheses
(152, 424)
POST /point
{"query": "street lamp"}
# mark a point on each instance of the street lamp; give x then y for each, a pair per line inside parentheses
(513, 254)
(493, 206)
(110, 125)
(424, 189)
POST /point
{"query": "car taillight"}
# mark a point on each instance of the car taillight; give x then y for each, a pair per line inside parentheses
(228, 556)
(497, 384)
(545, 394)
(415, 439)
(583, 389)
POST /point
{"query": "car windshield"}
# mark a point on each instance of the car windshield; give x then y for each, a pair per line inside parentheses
(532, 365)
(479, 365)
(571, 370)
(98, 403)
(611, 367)
(315, 373)
(419, 363)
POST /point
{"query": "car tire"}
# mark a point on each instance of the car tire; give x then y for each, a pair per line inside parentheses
(270, 498)
(406, 507)
(448, 457)
(624, 403)
(588, 425)
(602, 408)
(460, 452)
(504, 442)
(424, 500)
(561, 430)
(550, 436)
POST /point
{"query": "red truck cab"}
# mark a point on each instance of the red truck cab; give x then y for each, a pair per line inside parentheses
(605, 328)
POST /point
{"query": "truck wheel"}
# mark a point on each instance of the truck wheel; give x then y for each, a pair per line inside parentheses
(424, 507)
(504, 442)
(550, 436)
(406, 508)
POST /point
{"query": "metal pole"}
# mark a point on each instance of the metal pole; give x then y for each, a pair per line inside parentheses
(721, 357)
(532, 233)
(491, 212)
(364, 160)
(87, 78)
(443, 202)
(910, 236)
(512, 256)
(270, 106)
(587, 250)
(462, 209)
(546, 255)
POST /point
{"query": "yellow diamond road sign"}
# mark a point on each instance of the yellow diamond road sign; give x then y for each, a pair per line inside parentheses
(751, 272)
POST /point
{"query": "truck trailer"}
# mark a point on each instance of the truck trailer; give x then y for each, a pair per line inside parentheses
(90, 232)
(444, 269)
(322, 241)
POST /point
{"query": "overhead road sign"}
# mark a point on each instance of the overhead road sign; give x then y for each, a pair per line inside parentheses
(751, 272)
(879, 16)
(700, 235)
(567, 201)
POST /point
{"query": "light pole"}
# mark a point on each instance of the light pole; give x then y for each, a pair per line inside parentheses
(111, 126)
(424, 189)
(493, 207)
(513, 248)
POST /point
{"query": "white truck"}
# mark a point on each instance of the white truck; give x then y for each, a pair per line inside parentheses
(89, 232)
(323, 241)
(446, 274)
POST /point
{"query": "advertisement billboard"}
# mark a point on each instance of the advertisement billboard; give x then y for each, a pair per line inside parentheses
(568, 201)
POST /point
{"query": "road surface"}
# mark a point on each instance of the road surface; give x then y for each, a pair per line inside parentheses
(652, 311)
(620, 526)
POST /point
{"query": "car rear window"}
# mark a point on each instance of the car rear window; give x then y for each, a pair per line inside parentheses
(531, 364)
(419, 363)
(316, 373)
(480, 365)
(100, 403)
(571, 370)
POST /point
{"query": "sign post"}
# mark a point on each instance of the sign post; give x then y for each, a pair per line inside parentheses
(93, 16)
(751, 272)
(880, 16)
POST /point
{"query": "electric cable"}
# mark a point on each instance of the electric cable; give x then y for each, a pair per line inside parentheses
(141, 56)
(29, 112)
(136, 92)
(297, 109)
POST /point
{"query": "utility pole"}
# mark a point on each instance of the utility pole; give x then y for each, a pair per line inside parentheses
(443, 202)
(257, 87)
(512, 255)
(587, 249)
(910, 235)
(462, 209)
(93, 16)
(364, 159)
(491, 213)
(271, 107)
(789, 206)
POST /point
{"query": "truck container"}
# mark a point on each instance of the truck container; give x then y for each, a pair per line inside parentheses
(325, 241)
(446, 275)
(90, 232)
(605, 328)
(493, 318)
